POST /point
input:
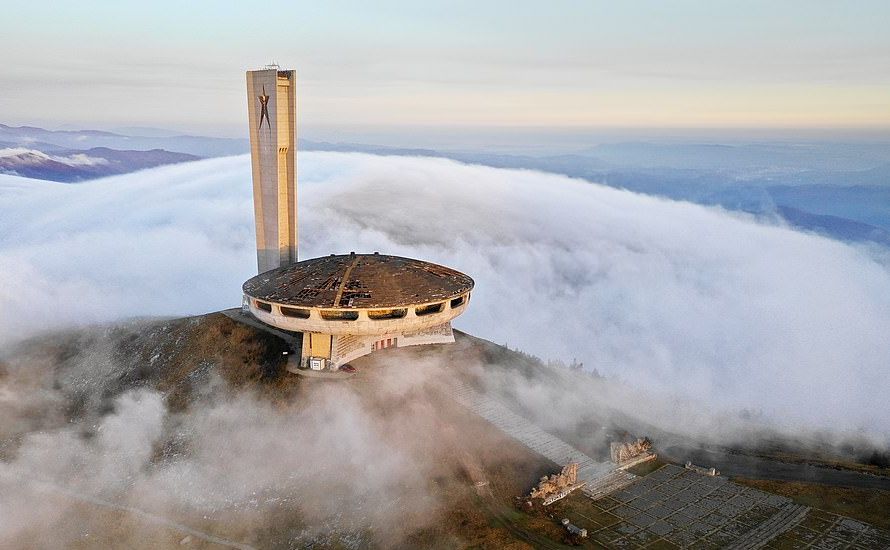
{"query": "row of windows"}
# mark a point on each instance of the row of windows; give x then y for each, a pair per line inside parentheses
(352, 315)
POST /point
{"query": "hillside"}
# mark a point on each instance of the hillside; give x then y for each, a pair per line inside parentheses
(199, 363)
(189, 433)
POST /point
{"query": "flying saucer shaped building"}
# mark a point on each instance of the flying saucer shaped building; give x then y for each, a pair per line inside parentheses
(344, 306)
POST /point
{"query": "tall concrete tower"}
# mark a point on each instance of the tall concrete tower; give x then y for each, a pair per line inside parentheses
(271, 103)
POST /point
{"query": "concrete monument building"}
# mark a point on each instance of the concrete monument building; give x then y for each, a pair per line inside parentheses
(342, 306)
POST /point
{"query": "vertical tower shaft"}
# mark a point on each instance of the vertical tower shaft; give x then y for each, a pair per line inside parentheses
(271, 103)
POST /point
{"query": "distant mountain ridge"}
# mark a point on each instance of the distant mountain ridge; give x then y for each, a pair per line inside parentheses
(53, 140)
(80, 155)
(74, 165)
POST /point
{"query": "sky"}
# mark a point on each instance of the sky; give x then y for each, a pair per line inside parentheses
(413, 66)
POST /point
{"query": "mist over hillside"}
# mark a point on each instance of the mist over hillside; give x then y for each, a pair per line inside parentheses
(679, 300)
(189, 432)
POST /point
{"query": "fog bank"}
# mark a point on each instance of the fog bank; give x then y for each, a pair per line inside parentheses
(671, 297)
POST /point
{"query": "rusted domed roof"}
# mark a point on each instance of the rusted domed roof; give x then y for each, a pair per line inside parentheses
(358, 281)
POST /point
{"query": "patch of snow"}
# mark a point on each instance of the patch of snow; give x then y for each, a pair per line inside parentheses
(33, 156)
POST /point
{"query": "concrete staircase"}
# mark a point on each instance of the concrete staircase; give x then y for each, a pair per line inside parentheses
(602, 478)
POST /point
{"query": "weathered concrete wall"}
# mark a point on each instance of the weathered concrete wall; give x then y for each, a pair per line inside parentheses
(271, 102)
(363, 325)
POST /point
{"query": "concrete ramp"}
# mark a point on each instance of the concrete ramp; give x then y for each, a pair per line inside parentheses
(600, 476)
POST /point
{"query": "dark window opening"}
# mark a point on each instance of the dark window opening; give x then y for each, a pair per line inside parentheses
(297, 312)
(387, 314)
(264, 306)
(339, 315)
(430, 309)
(457, 302)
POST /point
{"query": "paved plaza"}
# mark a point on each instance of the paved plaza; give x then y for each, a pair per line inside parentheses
(674, 507)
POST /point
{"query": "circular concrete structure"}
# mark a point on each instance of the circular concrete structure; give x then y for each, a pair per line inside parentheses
(358, 294)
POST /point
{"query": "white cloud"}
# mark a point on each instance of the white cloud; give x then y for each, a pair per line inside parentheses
(669, 296)
(24, 156)
(347, 467)
(81, 159)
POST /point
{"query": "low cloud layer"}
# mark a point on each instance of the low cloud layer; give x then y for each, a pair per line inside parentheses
(671, 297)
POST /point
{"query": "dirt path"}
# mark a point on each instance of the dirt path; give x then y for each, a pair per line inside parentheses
(737, 465)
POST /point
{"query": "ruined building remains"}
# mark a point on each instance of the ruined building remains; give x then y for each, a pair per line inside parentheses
(623, 452)
(556, 486)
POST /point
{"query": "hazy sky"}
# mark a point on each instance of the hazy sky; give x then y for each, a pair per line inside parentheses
(794, 63)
